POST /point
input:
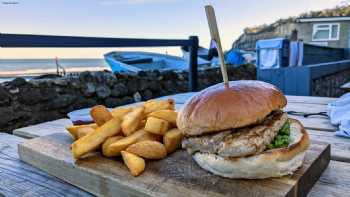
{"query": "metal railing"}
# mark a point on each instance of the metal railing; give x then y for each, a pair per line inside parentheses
(37, 41)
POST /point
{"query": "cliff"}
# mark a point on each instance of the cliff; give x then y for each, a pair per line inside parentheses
(282, 27)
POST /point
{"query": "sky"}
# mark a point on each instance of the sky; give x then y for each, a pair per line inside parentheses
(139, 19)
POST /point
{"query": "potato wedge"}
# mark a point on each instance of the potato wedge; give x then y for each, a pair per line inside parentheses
(142, 124)
(165, 114)
(172, 140)
(132, 120)
(84, 131)
(156, 105)
(148, 149)
(100, 114)
(120, 112)
(73, 130)
(146, 136)
(156, 126)
(105, 150)
(115, 148)
(94, 139)
(135, 164)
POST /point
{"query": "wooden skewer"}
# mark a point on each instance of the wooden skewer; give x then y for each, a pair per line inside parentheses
(214, 32)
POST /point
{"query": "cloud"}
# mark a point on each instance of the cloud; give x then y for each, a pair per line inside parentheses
(340, 3)
(344, 3)
(125, 2)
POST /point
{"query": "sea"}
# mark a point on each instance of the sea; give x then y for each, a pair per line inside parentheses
(28, 68)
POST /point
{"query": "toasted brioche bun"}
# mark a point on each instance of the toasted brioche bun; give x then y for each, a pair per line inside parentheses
(271, 163)
(219, 107)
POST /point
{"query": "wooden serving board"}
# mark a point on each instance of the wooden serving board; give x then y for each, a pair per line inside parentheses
(177, 175)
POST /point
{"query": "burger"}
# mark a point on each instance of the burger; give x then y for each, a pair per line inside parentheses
(240, 131)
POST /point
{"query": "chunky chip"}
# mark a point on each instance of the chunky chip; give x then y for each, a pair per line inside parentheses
(134, 133)
(84, 131)
(132, 120)
(100, 114)
(105, 146)
(172, 140)
(135, 164)
(120, 112)
(156, 126)
(94, 139)
(73, 130)
(156, 105)
(115, 148)
(148, 149)
(165, 114)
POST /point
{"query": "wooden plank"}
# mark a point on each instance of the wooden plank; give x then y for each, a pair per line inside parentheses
(310, 99)
(20, 179)
(295, 103)
(316, 123)
(312, 122)
(316, 161)
(58, 126)
(304, 104)
(320, 123)
(47, 128)
(299, 104)
(177, 173)
(335, 181)
(181, 98)
(306, 107)
(340, 147)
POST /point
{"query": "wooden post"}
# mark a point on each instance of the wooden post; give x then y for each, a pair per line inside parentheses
(193, 78)
(57, 67)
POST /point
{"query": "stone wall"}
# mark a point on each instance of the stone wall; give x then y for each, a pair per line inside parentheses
(329, 86)
(24, 103)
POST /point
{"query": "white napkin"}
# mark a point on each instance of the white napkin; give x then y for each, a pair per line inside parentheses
(344, 129)
(339, 113)
(80, 115)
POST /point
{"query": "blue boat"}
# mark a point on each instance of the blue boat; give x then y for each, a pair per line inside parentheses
(129, 61)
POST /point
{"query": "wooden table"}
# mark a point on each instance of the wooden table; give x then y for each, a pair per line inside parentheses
(20, 179)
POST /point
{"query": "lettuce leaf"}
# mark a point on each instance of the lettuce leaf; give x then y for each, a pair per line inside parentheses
(282, 139)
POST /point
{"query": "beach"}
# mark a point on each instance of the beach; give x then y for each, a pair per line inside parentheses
(28, 68)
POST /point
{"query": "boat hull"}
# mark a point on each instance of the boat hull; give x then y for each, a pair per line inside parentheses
(116, 61)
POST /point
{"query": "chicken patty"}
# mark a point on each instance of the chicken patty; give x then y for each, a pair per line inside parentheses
(239, 142)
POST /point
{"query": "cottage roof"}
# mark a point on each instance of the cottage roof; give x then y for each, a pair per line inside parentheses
(324, 19)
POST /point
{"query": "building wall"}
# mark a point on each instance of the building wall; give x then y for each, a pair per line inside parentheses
(305, 31)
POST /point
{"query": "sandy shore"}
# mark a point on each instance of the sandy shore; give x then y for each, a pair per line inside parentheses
(28, 74)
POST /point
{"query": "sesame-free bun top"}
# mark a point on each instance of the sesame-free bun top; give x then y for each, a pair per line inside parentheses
(221, 107)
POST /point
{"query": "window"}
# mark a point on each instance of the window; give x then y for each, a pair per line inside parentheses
(326, 32)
